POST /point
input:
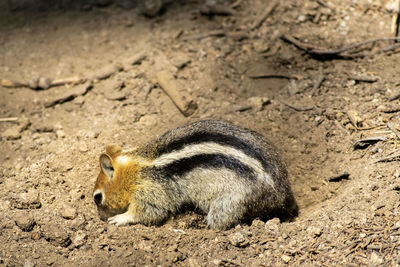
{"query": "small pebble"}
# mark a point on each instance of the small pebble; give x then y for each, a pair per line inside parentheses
(28, 263)
(315, 231)
(83, 148)
(375, 260)
(192, 262)
(151, 8)
(24, 221)
(238, 239)
(286, 258)
(26, 200)
(273, 225)
(44, 83)
(258, 103)
(68, 212)
(79, 239)
(60, 134)
(56, 235)
(91, 134)
(33, 83)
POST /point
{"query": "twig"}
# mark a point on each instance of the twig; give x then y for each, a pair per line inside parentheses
(391, 110)
(216, 9)
(270, 8)
(388, 49)
(321, 52)
(217, 33)
(68, 96)
(296, 108)
(396, 20)
(319, 81)
(175, 90)
(236, 3)
(394, 151)
(393, 129)
(324, 4)
(361, 78)
(365, 142)
(8, 119)
(270, 76)
(388, 158)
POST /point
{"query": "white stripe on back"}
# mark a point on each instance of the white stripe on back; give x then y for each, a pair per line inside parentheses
(214, 148)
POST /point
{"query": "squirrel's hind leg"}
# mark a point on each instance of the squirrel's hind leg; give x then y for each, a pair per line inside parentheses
(226, 211)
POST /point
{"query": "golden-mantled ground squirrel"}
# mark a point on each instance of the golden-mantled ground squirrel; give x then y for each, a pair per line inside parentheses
(230, 173)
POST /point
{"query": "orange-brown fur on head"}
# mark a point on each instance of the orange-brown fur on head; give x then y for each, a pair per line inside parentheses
(116, 181)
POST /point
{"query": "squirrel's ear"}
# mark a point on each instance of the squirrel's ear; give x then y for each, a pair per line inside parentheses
(106, 165)
(113, 150)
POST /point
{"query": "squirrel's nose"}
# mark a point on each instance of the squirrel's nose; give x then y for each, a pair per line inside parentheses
(98, 197)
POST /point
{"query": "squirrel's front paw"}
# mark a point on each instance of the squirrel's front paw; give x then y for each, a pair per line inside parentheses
(122, 219)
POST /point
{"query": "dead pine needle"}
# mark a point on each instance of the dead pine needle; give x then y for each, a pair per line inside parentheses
(8, 119)
(393, 129)
(299, 109)
(388, 158)
(270, 8)
(344, 52)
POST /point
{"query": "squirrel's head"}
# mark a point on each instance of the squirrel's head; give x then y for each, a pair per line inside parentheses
(115, 182)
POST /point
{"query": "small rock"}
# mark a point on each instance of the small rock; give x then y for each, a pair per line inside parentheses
(217, 262)
(258, 103)
(79, 239)
(238, 239)
(115, 95)
(33, 83)
(60, 134)
(192, 262)
(28, 263)
(180, 61)
(375, 260)
(68, 212)
(315, 231)
(273, 225)
(173, 248)
(126, 4)
(257, 223)
(261, 46)
(292, 88)
(44, 83)
(302, 18)
(91, 134)
(4, 205)
(83, 148)
(286, 258)
(56, 235)
(12, 133)
(24, 221)
(146, 246)
(151, 8)
(79, 100)
(26, 200)
(35, 235)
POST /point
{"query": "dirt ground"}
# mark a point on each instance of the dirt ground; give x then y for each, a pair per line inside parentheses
(334, 120)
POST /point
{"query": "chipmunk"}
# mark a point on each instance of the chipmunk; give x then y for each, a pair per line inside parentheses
(230, 173)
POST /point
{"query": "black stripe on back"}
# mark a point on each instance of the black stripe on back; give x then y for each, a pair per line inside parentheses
(215, 161)
(202, 137)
